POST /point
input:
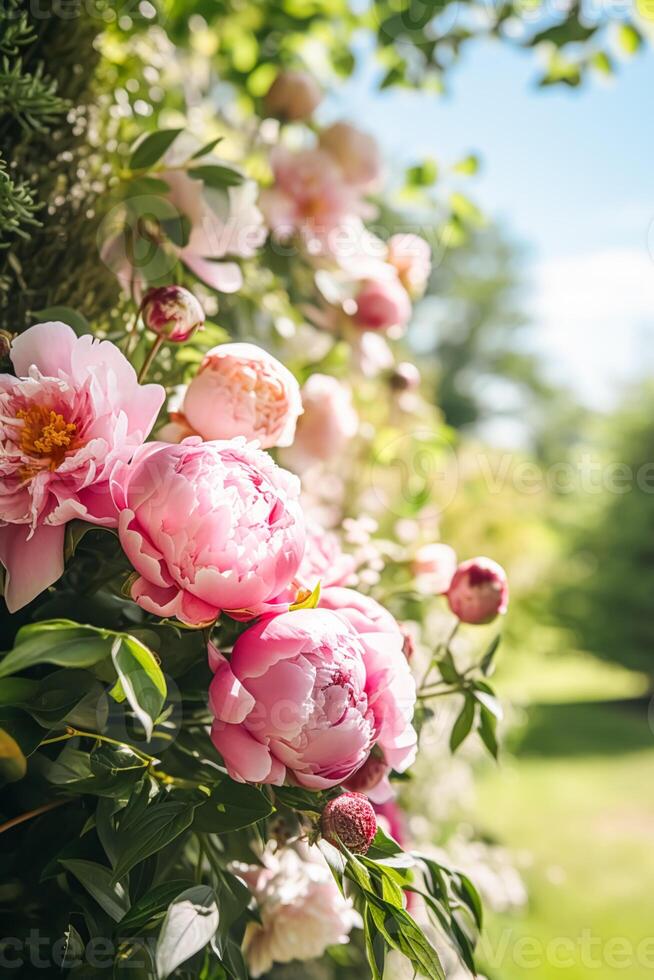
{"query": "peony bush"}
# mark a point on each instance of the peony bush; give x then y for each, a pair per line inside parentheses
(229, 613)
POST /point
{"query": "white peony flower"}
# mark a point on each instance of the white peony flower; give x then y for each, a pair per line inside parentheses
(301, 908)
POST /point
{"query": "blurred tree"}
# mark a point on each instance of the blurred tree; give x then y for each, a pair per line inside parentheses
(606, 585)
(473, 325)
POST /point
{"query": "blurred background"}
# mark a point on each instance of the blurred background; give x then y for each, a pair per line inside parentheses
(519, 141)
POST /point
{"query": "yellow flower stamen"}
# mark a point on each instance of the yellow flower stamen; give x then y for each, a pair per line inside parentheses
(46, 433)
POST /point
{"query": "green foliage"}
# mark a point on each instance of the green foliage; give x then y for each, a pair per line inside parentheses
(604, 588)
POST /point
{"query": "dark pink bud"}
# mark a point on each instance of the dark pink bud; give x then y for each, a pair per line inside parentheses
(479, 591)
(172, 312)
(349, 819)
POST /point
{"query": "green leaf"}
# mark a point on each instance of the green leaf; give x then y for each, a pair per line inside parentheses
(190, 924)
(66, 314)
(140, 186)
(629, 38)
(232, 806)
(207, 148)
(383, 846)
(58, 641)
(375, 950)
(468, 165)
(217, 176)
(134, 961)
(152, 148)
(486, 663)
(152, 907)
(150, 831)
(486, 696)
(447, 669)
(58, 695)
(13, 764)
(140, 680)
(487, 731)
(109, 894)
(463, 723)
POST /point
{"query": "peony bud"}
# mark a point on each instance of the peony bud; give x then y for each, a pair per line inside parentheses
(382, 304)
(479, 591)
(349, 819)
(405, 377)
(293, 95)
(437, 563)
(371, 773)
(172, 312)
(357, 153)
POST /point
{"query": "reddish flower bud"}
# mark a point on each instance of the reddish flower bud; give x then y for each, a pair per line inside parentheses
(172, 312)
(349, 819)
(478, 591)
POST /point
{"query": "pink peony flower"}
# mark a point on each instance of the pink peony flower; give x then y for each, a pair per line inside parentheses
(209, 527)
(300, 906)
(305, 698)
(172, 312)
(434, 565)
(74, 411)
(323, 560)
(382, 304)
(309, 195)
(479, 591)
(327, 425)
(216, 232)
(410, 255)
(294, 95)
(395, 686)
(350, 819)
(241, 390)
(356, 153)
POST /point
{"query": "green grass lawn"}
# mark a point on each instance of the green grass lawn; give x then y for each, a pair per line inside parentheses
(575, 800)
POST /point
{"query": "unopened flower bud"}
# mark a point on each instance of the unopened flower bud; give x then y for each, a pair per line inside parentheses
(479, 591)
(371, 773)
(172, 312)
(293, 95)
(405, 377)
(351, 820)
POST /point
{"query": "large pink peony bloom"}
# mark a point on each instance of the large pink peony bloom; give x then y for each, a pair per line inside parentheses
(306, 696)
(391, 679)
(209, 527)
(74, 411)
(356, 152)
(241, 390)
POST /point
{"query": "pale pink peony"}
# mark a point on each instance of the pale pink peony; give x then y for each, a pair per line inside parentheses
(301, 908)
(309, 195)
(382, 304)
(209, 527)
(324, 561)
(434, 566)
(217, 230)
(241, 390)
(305, 698)
(75, 410)
(356, 152)
(294, 95)
(479, 591)
(328, 424)
(395, 698)
(410, 255)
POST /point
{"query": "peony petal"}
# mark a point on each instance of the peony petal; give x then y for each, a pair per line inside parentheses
(226, 277)
(33, 563)
(230, 702)
(247, 760)
(48, 346)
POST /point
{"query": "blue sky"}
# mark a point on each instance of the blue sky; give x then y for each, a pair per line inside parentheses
(569, 173)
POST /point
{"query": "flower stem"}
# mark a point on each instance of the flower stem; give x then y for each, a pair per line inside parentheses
(152, 353)
(21, 818)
